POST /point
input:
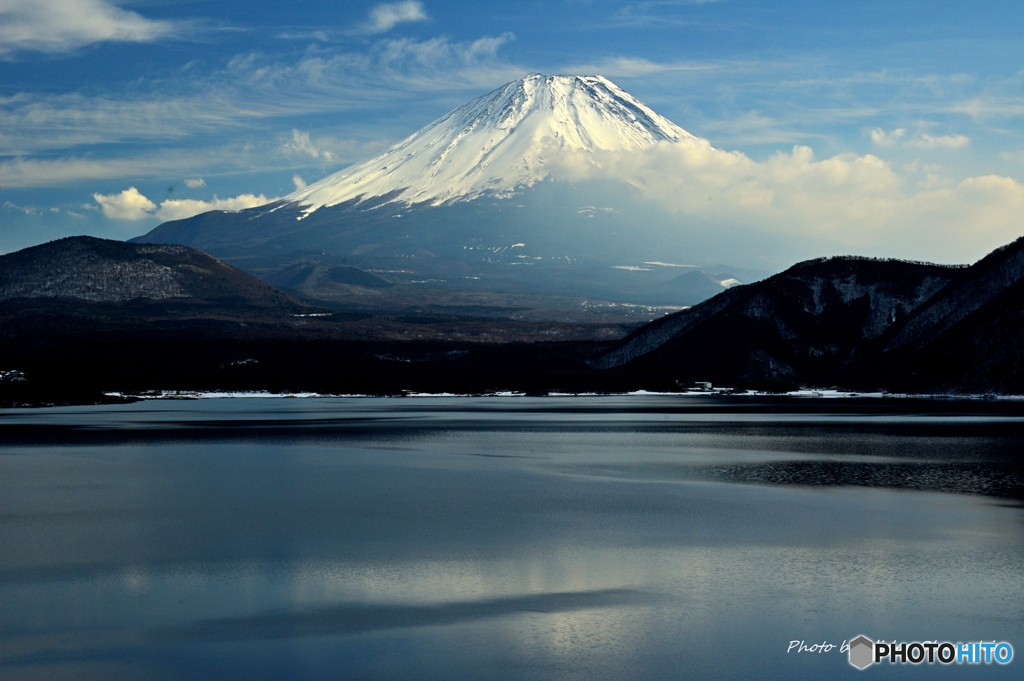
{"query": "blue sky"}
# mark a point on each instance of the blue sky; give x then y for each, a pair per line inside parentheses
(226, 104)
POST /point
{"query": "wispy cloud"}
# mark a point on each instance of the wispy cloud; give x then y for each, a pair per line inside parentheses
(441, 64)
(27, 210)
(926, 141)
(301, 144)
(755, 127)
(145, 163)
(165, 164)
(66, 25)
(638, 7)
(245, 100)
(898, 138)
(388, 72)
(743, 102)
(44, 122)
(385, 17)
(987, 107)
(195, 183)
(659, 13)
(630, 67)
(31, 172)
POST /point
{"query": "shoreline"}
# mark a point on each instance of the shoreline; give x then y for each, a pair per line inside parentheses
(804, 393)
(803, 396)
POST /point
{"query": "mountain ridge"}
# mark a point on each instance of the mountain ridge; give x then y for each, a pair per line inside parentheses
(497, 143)
(982, 282)
(477, 200)
(814, 318)
(97, 270)
(916, 327)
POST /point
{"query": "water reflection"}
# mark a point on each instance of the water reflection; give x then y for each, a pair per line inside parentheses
(534, 539)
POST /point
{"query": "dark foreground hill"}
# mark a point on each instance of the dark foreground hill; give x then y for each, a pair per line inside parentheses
(87, 269)
(970, 336)
(849, 321)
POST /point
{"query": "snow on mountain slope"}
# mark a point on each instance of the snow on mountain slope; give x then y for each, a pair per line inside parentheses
(499, 142)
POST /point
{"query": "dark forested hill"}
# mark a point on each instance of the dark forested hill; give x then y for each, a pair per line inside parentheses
(104, 271)
(849, 321)
(814, 323)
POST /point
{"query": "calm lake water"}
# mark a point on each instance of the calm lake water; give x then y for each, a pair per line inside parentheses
(634, 537)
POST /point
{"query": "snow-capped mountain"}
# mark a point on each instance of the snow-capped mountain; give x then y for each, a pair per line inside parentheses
(503, 141)
(480, 200)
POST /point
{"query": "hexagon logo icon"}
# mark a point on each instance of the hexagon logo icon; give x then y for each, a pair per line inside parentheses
(862, 652)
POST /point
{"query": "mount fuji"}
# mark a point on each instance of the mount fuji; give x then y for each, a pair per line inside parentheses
(497, 144)
(484, 200)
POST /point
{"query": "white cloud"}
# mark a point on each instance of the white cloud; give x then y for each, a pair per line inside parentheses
(27, 210)
(44, 122)
(65, 25)
(986, 107)
(22, 172)
(440, 64)
(887, 139)
(927, 141)
(847, 203)
(132, 205)
(179, 209)
(195, 183)
(385, 17)
(161, 164)
(923, 141)
(631, 67)
(299, 183)
(300, 144)
(128, 205)
(30, 172)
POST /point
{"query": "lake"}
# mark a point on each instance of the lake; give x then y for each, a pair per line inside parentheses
(589, 537)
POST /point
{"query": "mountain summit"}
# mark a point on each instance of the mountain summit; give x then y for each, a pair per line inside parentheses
(516, 192)
(503, 141)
